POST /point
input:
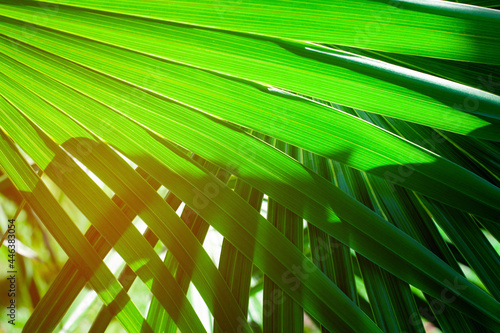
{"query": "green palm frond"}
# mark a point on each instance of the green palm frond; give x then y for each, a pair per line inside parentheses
(346, 153)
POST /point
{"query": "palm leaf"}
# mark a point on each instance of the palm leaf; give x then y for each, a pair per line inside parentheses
(362, 121)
